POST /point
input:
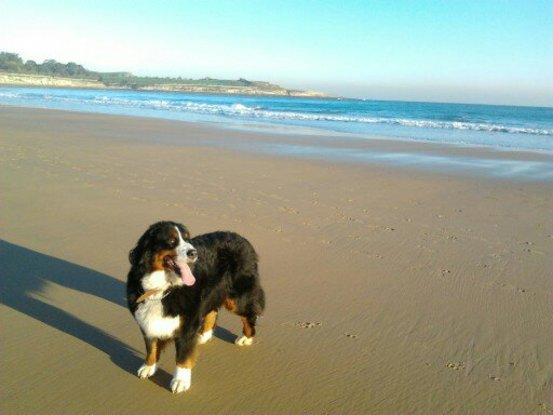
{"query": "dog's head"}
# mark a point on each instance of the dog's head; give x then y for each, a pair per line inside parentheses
(164, 256)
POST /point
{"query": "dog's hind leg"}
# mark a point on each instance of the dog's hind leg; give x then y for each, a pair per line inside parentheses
(206, 333)
(248, 331)
(248, 307)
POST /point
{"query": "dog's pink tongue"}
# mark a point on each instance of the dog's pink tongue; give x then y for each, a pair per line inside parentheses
(186, 273)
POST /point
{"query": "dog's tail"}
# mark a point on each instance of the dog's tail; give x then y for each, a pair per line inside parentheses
(258, 303)
(250, 302)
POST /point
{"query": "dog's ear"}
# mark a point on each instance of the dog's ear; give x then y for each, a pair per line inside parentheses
(137, 254)
(183, 231)
(140, 253)
(133, 256)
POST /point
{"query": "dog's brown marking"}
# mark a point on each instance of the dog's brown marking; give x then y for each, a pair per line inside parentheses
(152, 351)
(160, 346)
(157, 260)
(248, 329)
(209, 321)
(184, 233)
(230, 304)
(190, 361)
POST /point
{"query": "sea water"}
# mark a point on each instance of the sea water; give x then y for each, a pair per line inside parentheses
(498, 127)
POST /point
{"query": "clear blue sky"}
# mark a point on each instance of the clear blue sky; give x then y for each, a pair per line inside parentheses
(467, 51)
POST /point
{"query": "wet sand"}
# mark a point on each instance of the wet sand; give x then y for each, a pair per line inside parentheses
(389, 290)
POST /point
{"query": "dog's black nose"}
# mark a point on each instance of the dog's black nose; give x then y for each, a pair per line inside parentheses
(192, 253)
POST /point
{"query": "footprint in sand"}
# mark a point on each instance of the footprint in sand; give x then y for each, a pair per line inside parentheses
(351, 335)
(308, 324)
(445, 272)
(496, 378)
(288, 209)
(509, 287)
(526, 246)
(455, 365)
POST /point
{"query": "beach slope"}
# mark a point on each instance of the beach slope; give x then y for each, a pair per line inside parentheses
(389, 291)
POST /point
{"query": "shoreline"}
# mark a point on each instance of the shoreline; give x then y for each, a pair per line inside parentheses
(502, 129)
(324, 146)
(389, 290)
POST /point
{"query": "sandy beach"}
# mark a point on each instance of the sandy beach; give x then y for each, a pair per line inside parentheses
(389, 291)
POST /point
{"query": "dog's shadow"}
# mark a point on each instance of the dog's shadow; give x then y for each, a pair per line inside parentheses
(224, 334)
(24, 275)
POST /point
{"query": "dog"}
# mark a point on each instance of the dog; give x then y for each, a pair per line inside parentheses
(177, 284)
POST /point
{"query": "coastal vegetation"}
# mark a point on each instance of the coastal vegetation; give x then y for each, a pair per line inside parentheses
(15, 71)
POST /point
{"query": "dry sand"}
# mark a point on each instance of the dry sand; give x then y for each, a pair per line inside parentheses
(389, 291)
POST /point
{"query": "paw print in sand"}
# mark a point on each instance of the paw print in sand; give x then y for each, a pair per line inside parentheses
(308, 324)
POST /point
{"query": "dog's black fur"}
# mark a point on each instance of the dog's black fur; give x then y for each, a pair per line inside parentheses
(226, 269)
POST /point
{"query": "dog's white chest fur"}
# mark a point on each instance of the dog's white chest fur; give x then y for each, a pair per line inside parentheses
(149, 316)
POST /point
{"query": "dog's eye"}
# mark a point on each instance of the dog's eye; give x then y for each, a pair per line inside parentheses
(172, 241)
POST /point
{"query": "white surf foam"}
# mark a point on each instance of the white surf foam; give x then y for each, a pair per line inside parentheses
(240, 110)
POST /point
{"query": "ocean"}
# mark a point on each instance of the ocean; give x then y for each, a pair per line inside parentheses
(466, 125)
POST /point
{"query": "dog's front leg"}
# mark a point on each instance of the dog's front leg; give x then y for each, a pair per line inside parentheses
(153, 349)
(186, 358)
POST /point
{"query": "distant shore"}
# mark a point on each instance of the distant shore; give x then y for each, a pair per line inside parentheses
(263, 89)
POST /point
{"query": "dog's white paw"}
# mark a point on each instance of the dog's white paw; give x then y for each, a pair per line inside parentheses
(244, 341)
(205, 337)
(181, 380)
(146, 371)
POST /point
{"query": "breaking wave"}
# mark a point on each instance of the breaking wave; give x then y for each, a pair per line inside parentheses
(240, 110)
(319, 113)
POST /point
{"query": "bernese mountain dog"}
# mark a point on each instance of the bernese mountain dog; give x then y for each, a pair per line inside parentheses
(177, 284)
